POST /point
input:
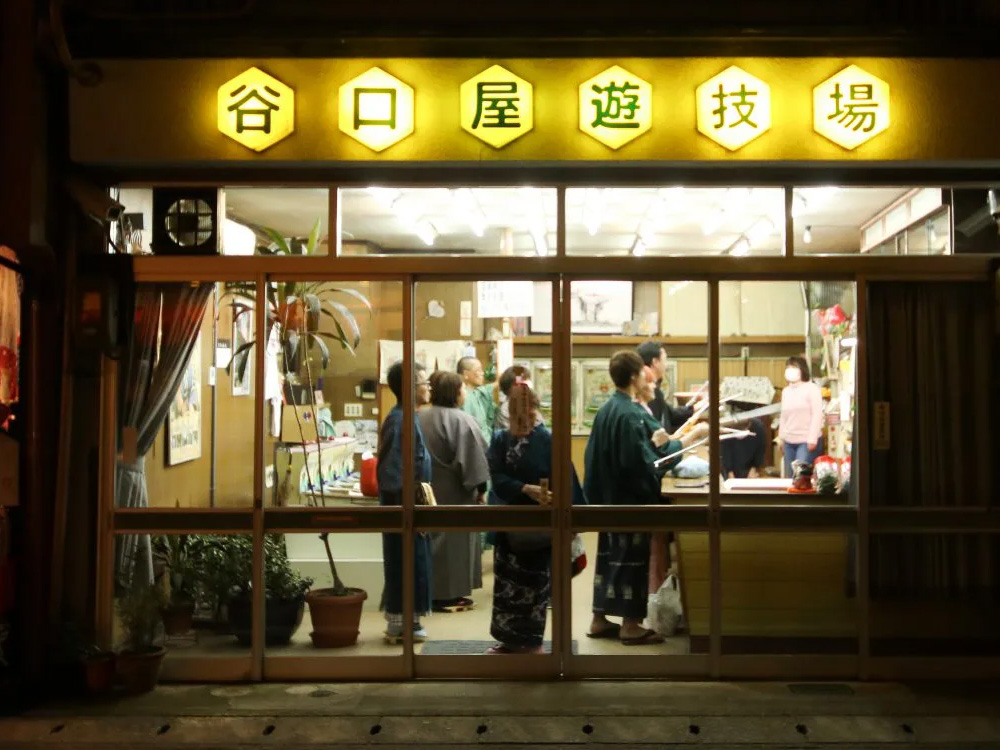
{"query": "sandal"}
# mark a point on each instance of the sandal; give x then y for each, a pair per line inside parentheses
(648, 638)
(612, 631)
(462, 604)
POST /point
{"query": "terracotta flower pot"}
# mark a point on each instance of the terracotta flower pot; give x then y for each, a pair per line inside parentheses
(178, 618)
(139, 672)
(336, 620)
(99, 674)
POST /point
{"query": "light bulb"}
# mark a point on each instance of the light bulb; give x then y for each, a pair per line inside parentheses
(638, 247)
(807, 236)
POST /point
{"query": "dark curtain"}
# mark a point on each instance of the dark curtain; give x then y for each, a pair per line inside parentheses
(149, 379)
(931, 357)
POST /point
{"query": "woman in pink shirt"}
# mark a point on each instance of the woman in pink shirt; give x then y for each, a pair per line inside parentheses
(801, 427)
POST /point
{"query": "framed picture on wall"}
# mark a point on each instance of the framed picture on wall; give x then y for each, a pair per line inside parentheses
(597, 307)
(184, 416)
(242, 335)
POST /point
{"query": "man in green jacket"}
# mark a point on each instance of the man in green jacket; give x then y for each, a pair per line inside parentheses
(479, 402)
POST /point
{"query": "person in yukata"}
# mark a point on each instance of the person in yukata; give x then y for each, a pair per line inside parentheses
(459, 473)
(620, 470)
(504, 383)
(390, 489)
(520, 458)
(479, 402)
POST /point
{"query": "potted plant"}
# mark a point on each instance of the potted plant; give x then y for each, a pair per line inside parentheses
(177, 556)
(98, 663)
(284, 592)
(139, 612)
(98, 669)
(335, 612)
(296, 314)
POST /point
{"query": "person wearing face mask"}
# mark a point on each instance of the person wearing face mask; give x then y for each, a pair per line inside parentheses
(801, 426)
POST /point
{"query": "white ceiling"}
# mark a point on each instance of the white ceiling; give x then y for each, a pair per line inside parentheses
(671, 220)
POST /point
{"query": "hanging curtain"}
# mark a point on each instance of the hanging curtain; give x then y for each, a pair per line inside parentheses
(932, 358)
(149, 381)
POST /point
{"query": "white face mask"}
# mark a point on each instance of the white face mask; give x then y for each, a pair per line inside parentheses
(793, 374)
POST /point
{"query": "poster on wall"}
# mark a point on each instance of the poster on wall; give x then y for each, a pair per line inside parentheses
(184, 415)
(242, 335)
(597, 307)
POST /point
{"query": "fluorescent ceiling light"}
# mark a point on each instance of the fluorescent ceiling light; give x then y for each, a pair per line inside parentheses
(469, 207)
(237, 239)
(760, 231)
(740, 248)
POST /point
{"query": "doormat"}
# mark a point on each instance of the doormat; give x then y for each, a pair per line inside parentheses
(468, 648)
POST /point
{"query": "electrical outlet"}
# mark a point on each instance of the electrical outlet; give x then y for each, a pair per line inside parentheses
(352, 410)
(744, 352)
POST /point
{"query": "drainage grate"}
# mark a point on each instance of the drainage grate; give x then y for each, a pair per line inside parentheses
(820, 688)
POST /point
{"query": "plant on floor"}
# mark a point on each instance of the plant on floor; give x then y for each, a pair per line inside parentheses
(139, 614)
(284, 587)
(177, 557)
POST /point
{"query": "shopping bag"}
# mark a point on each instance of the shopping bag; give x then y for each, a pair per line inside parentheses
(665, 609)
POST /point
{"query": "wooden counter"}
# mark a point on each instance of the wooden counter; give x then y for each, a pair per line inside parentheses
(781, 592)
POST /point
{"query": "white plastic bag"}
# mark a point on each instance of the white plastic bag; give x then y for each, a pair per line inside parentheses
(665, 609)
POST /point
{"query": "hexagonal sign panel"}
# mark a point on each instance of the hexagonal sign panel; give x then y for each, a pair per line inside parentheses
(376, 109)
(851, 107)
(616, 107)
(255, 109)
(733, 108)
(497, 106)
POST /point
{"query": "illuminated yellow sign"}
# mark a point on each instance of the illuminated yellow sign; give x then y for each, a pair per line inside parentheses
(255, 109)
(497, 106)
(733, 108)
(376, 109)
(615, 107)
(851, 108)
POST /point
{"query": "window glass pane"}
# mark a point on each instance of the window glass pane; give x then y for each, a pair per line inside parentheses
(675, 221)
(255, 216)
(254, 220)
(630, 590)
(342, 618)
(325, 388)
(934, 594)
(782, 593)
(768, 330)
(833, 220)
(202, 453)
(660, 330)
(483, 221)
(185, 592)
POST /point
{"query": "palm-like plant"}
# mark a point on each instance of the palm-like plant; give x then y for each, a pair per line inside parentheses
(296, 313)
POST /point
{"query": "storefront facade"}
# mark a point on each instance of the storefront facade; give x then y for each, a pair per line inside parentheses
(716, 189)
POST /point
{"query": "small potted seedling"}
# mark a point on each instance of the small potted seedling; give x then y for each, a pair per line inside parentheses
(176, 554)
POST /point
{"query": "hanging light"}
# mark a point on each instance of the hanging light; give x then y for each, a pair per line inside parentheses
(426, 232)
(638, 247)
(538, 237)
(799, 204)
(807, 236)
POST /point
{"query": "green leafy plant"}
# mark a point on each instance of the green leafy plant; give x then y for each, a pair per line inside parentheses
(827, 484)
(139, 613)
(179, 555)
(233, 569)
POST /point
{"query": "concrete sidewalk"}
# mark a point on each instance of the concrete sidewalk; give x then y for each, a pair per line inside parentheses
(551, 715)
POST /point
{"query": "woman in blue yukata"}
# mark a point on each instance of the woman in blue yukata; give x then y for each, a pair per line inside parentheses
(520, 459)
(390, 491)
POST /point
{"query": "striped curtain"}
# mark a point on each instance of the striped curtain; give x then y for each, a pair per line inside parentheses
(167, 321)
